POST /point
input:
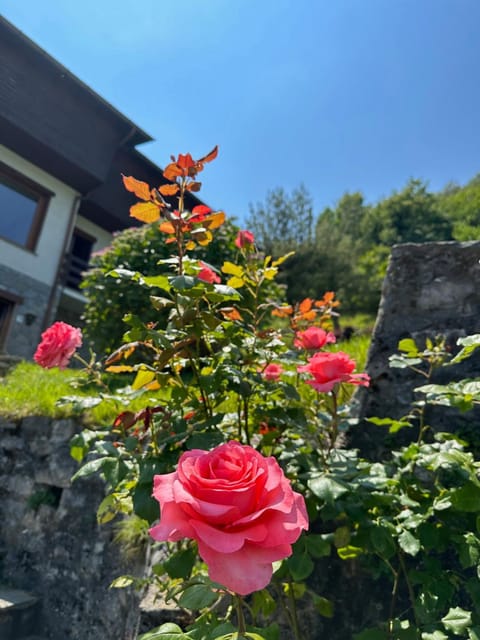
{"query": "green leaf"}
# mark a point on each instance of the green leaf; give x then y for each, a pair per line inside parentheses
(144, 505)
(92, 467)
(457, 620)
(300, 566)
(327, 489)
(198, 596)
(436, 635)
(394, 425)
(469, 344)
(409, 543)
(167, 631)
(180, 564)
(317, 545)
(121, 582)
(349, 552)
(401, 362)
(323, 606)
(407, 345)
(466, 498)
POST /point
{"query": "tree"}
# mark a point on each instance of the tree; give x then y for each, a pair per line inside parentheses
(461, 205)
(284, 222)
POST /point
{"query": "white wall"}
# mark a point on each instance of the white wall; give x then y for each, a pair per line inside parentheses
(42, 264)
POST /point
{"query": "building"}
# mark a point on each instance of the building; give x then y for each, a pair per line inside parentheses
(62, 152)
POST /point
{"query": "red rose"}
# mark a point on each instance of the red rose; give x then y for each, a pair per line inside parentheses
(272, 371)
(244, 239)
(313, 338)
(238, 506)
(329, 369)
(207, 275)
(58, 345)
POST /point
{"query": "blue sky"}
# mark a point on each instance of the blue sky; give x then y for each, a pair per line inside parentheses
(342, 95)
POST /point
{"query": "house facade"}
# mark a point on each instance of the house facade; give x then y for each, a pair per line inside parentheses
(62, 152)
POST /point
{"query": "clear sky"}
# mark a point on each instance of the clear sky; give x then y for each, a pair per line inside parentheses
(342, 95)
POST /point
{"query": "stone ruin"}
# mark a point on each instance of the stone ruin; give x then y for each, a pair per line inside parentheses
(430, 290)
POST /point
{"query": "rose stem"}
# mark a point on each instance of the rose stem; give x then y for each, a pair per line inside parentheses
(241, 618)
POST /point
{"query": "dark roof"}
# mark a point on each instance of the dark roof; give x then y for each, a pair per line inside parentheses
(57, 122)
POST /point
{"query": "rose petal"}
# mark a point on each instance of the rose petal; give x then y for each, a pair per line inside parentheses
(246, 570)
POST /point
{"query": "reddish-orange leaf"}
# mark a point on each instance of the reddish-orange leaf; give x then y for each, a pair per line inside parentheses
(185, 162)
(210, 156)
(282, 312)
(309, 315)
(167, 227)
(145, 211)
(305, 305)
(172, 171)
(194, 186)
(140, 189)
(169, 189)
(230, 313)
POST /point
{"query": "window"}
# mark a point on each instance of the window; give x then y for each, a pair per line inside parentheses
(78, 258)
(7, 307)
(23, 205)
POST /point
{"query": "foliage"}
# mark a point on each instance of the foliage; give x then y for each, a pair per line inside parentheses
(409, 521)
(136, 249)
(284, 222)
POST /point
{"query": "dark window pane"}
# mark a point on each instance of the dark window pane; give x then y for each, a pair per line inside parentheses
(17, 212)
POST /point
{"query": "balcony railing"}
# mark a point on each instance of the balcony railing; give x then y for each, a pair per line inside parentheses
(73, 270)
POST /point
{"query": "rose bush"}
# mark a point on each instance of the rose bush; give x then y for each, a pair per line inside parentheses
(329, 369)
(238, 506)
(59, 343)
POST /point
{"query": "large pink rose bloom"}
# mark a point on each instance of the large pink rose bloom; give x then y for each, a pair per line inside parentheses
(313, 338)
(58, 345)
(238, 506)
(329, 369)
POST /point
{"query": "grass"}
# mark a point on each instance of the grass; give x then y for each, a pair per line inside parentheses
(30, 390)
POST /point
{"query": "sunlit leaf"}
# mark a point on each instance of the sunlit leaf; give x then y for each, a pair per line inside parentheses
(166, 227)
(232, 269)
(169, 189)
(140, 189)
(145, 212)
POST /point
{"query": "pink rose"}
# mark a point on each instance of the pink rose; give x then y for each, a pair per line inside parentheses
(329, 369)
(244, 239)
(207, 275)
(272, 372)
(238, 506)
(313, 338)
(58, 345)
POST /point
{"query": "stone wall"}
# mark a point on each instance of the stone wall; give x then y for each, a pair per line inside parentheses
(50, 543)
(430, 289)
(23, 338)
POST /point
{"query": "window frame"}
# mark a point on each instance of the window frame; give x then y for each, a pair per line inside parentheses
(13, 302)
(16, 181)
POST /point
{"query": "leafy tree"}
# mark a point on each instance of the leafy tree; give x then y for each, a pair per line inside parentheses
(284, 222)
(461, 205)
(410, 215)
